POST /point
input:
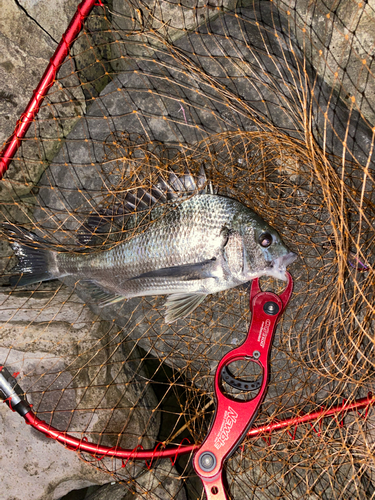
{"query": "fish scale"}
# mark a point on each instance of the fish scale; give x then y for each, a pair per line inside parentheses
(188, 234)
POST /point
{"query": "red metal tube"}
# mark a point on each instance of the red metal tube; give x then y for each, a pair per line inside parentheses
(137, 454)
(94, 449)
(47, 80)
(310, 417)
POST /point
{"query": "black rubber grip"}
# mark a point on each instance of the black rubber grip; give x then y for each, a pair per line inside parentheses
(21, 408)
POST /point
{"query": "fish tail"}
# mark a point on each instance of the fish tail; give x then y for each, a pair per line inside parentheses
(34, 265)
(35, 262)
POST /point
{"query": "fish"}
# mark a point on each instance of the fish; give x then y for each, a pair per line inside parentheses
(198, 244)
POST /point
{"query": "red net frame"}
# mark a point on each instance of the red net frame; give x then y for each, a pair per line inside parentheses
(262, 431)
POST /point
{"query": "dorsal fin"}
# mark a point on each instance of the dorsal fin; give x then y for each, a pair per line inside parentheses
(189, 182)
(202, 179)
(167, 189)
(176, 183)
(163, 191)
(142, 200)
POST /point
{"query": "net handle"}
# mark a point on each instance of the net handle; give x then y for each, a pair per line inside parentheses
(46, 82)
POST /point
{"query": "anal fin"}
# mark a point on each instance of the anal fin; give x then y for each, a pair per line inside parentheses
(179, 305)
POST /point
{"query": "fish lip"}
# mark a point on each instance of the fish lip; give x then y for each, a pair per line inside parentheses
(277, 267)
(287, 259)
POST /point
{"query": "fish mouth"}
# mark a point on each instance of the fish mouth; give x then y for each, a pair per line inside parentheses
(279, 265)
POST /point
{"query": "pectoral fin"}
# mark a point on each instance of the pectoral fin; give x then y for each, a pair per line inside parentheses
(186, 272)
(180, 305)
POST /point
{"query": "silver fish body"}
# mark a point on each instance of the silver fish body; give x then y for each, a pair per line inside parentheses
(203, 244)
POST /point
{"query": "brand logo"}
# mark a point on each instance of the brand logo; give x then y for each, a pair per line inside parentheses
(230, 418)
(264, 330)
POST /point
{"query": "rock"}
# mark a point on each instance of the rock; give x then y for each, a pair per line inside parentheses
(22, 64)
(170, 20)
(65, 372)
(45, 305)
(338, 42)
(113, 491)
(160, 483)
(52, 22)
(24, 60)
(33, 463)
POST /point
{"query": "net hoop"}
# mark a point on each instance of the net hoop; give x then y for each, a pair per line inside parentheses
(137, 454)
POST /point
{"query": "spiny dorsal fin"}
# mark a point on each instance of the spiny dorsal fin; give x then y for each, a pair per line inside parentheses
(142, 200)
(175, 187)
(189, 182)
(175, 182)
(95, 223)
(202, 179)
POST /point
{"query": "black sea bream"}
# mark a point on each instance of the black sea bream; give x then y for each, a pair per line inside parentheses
(204, 243)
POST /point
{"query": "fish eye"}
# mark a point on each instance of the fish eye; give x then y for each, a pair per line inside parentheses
(265, 240)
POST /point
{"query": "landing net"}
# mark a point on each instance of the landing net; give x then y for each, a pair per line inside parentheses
(278, 110)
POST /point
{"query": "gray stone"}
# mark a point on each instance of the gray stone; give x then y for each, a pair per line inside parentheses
(338, 40)
(23, 61)
(37, 465)
(30, 462)
(61, 352)
(170, 20)
(162, 482)
(113, 491)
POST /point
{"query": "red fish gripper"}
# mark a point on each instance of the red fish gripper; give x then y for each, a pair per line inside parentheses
(233, 417)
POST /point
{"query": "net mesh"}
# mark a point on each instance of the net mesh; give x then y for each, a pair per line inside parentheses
(274, 99)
